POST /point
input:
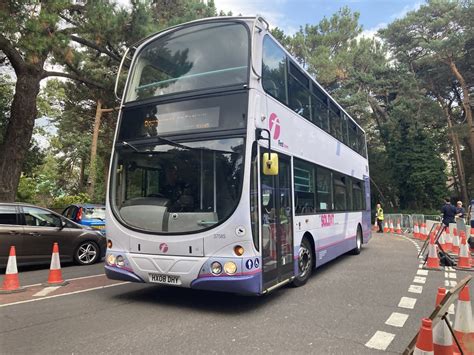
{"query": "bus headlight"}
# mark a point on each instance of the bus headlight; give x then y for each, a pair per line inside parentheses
(216, 268)
(120, 261)
(111, 259)
(230, 268)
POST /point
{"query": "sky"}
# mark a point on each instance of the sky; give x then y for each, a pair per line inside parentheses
(289, 15)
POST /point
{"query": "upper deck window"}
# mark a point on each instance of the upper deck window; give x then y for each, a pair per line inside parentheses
(196, 57)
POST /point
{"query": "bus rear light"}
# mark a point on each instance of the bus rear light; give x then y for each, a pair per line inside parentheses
(230, 268)
(216, 268)
(109, 244)
(239, 250)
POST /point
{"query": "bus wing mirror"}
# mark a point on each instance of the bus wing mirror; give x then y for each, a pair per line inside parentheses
(270, 164)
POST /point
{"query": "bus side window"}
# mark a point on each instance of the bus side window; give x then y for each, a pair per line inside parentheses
(304, 187)
(324, 188)
(274, 70)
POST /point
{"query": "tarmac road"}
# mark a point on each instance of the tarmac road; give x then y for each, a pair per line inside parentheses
(339, 311)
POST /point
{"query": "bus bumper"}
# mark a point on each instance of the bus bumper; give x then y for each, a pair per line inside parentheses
(247, 284)
(121, 274)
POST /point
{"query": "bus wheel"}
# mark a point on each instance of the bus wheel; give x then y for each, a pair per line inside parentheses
(305, 263)
(357, 249)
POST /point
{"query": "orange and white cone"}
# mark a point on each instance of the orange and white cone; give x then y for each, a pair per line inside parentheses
(392, 230)
(433, 259)
(442, 338)
(385, 227)
(416, 231)
(55, 277)
(424, 341)
(463, 322)
(423, 231)
(464, 260)
(455, 248)
(11, 282)
(399, 228)
(442, 240)
(448, 240)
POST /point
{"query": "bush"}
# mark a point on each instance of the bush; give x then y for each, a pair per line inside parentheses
(63, 201)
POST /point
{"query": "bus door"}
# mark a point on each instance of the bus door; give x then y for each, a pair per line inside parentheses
(277, 225)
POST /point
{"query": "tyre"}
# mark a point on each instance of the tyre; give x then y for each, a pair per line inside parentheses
(305, 263)
(87, 253)
(357, 249)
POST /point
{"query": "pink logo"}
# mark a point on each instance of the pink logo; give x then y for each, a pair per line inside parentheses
(274, 123)
(164, 247)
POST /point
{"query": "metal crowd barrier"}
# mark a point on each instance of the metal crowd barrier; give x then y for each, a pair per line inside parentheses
(408, 221)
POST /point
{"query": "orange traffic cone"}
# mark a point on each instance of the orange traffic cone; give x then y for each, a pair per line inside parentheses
(433, 259)
(399, 228)
(385, 227)
(392, 230)
(423, 231)
(416, 231)
(442, 338)
(424, 341)
(455, 248)
(448, 240)
(464, 260)
(463, 322)
(11, 282)
(442, 240)
(374, 228)
(55, 277)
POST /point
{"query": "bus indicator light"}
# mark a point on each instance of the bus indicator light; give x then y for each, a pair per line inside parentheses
(238, 250)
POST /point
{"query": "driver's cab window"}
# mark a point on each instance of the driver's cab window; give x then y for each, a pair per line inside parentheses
(40, 218)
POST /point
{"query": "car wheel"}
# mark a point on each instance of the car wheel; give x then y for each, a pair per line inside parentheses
(87, 253)
(357, 249)
(305, 263)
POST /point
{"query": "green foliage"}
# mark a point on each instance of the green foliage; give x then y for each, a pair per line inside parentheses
(64, 201)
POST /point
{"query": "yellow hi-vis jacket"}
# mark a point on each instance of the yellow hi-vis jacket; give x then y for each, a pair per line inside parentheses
(380, 214)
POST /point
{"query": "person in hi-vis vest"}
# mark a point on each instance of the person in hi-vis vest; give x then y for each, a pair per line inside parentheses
(379, 216)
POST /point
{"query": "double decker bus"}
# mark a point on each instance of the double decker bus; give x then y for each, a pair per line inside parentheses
(232, 169)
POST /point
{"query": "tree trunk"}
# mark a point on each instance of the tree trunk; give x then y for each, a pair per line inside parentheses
(456, 149)
(466, 105)
(18, 133)
(95, 138)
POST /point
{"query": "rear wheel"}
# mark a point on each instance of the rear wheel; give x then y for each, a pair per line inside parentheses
(87, 253)
(357, 249)
(305, 263)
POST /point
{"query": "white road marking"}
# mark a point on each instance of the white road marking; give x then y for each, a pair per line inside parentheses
(415, 289)
(449, 268)
(419, 280)
(397, 319)
(446, 283)
(422, 272)
(380, 340)
(62, 294)
(452, 275)
(46, 291)
(76, 278)
(407, 302)
(453, 283)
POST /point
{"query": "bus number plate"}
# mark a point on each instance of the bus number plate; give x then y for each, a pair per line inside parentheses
(164, 279)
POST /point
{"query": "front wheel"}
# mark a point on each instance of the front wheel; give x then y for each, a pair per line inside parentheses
(357, 249)
(87, 253)
(305, 263)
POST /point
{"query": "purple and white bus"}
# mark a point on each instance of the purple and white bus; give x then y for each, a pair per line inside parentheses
(232, 169)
